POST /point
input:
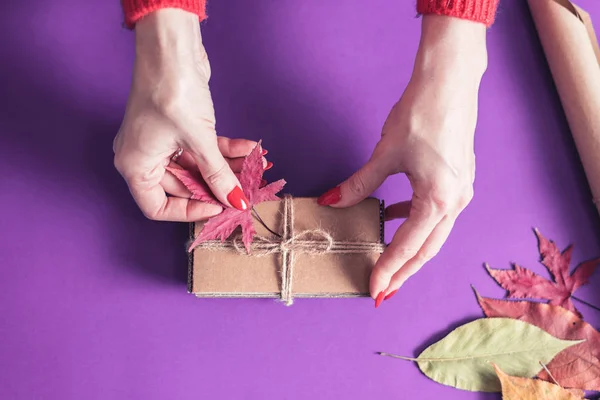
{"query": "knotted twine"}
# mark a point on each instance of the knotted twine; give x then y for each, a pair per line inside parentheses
(289, 244)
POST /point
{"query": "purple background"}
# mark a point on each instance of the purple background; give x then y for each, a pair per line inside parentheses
(93, 303)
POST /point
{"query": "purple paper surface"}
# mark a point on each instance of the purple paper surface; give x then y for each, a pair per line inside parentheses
(93, 301)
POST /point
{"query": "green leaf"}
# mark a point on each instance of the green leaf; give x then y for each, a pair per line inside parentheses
(464, 358)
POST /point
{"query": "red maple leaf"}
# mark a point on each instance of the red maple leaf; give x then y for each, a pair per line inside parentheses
(522, 283)
(193, 181)
(223, 225)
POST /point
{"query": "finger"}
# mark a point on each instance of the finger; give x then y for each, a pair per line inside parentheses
(155, 205)
(358, 187)
(186, 161)
(398, 210)
(236, 163)
(263, 182)
(217, 174)
(235, 148)
(173, 186)
(430, 248)
(406, 243)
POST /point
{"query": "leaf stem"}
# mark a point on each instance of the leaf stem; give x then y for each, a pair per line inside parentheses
(263, 223)
(395, 356)
(586, 303)
(549, 374)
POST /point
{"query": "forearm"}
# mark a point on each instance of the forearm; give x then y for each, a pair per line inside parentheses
(453, 35)
(135, 10)
(453, 45)
(169, 34)
(170, 61)
(482, 11)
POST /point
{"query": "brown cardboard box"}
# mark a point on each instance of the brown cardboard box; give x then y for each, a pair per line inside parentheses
(227, 272)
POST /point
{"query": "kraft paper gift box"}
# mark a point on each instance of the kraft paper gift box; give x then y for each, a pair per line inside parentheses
(314, 251)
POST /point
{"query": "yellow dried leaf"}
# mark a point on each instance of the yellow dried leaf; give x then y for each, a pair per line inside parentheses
(514, 388)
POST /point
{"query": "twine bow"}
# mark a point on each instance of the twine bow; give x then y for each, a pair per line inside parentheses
(289, 244)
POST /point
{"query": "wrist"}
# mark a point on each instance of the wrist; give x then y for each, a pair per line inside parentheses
(454, 45)
(169, 36)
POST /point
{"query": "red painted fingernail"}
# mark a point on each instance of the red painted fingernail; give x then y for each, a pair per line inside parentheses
(269, 166)
(237, 199)
(265, 152)
(389, 296)
(379, 299)
(330, 197)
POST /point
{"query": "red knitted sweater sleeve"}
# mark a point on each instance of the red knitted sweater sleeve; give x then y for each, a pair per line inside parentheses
(482, 11)
(475, 10)
(134, 10)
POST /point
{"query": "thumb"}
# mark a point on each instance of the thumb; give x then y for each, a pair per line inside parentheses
(218, 175)
(358, 187)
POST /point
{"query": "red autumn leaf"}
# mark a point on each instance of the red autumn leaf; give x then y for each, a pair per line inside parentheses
(522, 283)
(556, 262)
(582, 274)
(252, 172)
(575, 367)
(194, 183)
(223, 225)
(267, 192)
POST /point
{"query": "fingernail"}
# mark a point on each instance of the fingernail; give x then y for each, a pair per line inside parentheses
(330, 197)
(237, 199)
(389, 296)
(379, 298)
(265, 152)
(269, 166)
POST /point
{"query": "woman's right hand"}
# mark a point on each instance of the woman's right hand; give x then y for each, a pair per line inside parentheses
(170, 108)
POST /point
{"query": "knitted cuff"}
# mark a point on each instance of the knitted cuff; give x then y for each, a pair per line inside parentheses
(134, 10)
(482, 11)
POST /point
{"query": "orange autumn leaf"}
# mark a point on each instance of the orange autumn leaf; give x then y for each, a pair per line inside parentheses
(575, 367)
(514, 388)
